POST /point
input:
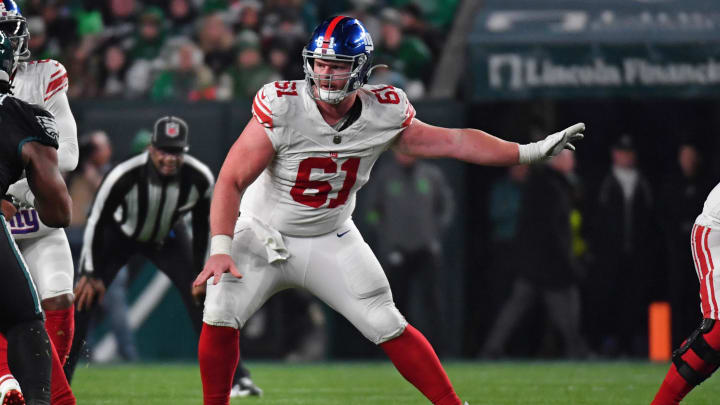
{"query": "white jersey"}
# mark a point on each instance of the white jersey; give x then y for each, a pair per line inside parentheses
(710, 215)
(45, 83)
(37, 82)
(309, 188)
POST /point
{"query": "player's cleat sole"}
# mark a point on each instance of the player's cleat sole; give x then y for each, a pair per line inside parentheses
(10, 393)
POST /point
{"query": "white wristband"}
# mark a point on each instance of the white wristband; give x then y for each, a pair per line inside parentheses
(220, 245)
(529, 153)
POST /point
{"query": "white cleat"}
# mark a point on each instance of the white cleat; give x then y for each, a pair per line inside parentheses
(237, 392)
(245, 388)
(10, 393)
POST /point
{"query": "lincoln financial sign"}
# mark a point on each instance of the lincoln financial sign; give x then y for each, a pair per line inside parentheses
(672, 72)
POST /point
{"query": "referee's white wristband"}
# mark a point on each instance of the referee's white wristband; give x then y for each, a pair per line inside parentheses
(220, 245)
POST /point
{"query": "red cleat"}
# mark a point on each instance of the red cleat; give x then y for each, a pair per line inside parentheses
(14, 397)
(10, 393)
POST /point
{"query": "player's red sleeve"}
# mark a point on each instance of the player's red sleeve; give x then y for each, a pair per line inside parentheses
(57, 82)
(260, 109)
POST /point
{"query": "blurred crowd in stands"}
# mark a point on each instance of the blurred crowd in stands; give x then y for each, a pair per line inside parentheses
(221, 49)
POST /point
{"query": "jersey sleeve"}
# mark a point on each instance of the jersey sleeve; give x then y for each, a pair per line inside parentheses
(391, 107)
(39, 125)
(267, 109)
(55, 78)
(408, 110)
(68, 152)
(391, 110)
(47, 132)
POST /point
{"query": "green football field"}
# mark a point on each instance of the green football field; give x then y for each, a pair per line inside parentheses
(493, 383)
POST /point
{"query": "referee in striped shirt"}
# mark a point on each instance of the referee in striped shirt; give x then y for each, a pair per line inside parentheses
(139, 209)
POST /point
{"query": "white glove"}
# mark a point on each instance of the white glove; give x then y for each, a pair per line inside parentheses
(21, 192)
(550, 146)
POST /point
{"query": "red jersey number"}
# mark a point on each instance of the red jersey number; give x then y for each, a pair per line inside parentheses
(286, 89)
(387, 95)
(303, 182)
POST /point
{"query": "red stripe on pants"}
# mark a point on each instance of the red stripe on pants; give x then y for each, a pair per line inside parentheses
(711, 274)
(697, 243)
(693, 252)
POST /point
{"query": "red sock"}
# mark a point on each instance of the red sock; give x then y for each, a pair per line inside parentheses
(60, 326)
(4, 368)
(416, 360)
(60, 392)
(218, 354)
(674, 387)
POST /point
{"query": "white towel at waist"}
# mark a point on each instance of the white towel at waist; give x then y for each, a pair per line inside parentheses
(271, 239)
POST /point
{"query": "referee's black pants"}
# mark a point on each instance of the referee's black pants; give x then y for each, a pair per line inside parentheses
(174, 258)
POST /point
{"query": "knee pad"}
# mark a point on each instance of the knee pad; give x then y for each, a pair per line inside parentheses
(696, 359)
(385, 322)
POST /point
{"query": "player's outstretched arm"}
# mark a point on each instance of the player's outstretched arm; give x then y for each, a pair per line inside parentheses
(68, 151)
(248, 157)
(52, 199)
(479, 147)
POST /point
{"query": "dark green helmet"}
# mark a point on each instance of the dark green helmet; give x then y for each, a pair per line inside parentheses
(7, 58)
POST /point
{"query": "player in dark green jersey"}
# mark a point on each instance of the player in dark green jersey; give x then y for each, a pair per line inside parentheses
(28, 143)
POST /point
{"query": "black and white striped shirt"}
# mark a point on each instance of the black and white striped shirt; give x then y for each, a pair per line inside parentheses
(145, 206)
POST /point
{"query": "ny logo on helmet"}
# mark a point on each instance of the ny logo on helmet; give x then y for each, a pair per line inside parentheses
(368, 42)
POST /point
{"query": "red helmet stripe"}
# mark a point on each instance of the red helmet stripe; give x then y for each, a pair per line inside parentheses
(330, 29)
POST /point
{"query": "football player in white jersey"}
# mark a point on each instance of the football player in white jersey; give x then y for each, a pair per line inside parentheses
(699, 355)
(46, 250)
(293, 173)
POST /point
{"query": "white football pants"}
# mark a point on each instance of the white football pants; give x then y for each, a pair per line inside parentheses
(50, 263)
(339, 268)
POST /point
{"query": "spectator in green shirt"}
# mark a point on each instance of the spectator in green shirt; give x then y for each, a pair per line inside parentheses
(186, 78)
(404, 53)
(250, 71)
(150, 35)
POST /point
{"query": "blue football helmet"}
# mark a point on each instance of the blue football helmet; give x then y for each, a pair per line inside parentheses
(14, 26)
(339, 39)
